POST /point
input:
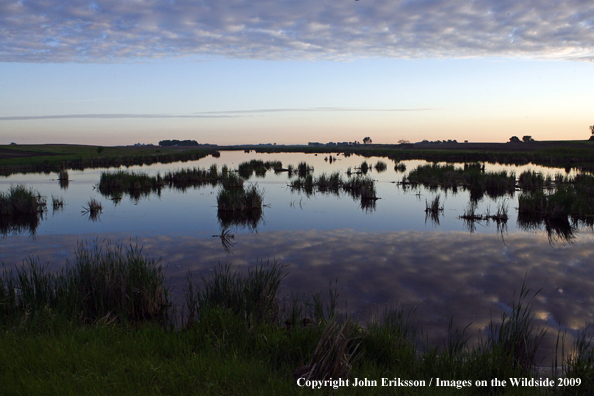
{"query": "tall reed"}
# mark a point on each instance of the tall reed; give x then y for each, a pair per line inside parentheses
(103, 281)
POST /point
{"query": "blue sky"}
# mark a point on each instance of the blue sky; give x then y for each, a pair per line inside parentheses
(228, 72)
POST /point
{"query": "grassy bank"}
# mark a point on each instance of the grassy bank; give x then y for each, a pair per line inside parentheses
(56, 157)
(104, 325)
(48, 158)
(561, 154)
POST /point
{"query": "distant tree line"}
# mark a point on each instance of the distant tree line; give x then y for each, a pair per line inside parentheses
(178, 143)
(525, 139)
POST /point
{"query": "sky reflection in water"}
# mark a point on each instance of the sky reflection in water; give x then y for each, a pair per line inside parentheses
(388, 255)
(454, 274)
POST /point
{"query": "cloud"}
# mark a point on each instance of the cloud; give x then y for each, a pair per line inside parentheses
(206, 114)
(124, 31)
(107, 116)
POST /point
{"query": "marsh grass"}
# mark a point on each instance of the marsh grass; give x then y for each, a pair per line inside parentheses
(243, 199)
(259, 167)
(364, 168)
(471, 217)
(21, 209)
(336, 351)
(253, 297)
(400, 167)
(135, 184)
(381, 166)
(57, 203)
(20, 200)
(103, 281)
(191, 177)
(472, 178)
(94, 209)
(580, 361)
(303, 169)
(63, 175)
(516, 338)
(233, 337)
(530, 180)
(435, 206)
(433, 209)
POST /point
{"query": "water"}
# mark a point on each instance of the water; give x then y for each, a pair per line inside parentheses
(384, 256)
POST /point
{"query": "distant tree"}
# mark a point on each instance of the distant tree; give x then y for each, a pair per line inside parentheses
(527, 138)
(403, 141)
(367, 140)
(592, 129)
(178, 143)
(514, 139)
(100, 150)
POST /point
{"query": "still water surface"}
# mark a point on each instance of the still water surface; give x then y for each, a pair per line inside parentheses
(387, 255)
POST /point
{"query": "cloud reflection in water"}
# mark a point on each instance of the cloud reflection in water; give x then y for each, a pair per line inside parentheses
(453, 274)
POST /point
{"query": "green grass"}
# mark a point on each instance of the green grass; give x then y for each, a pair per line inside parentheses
(259, 167)
(570, 197)
(54, 157)
(472, 178)
(244, 199)
(104, 282)
(21, 209)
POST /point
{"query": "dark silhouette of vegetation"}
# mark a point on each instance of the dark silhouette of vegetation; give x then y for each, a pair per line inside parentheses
(175, 142)
(472, 178)
(21, 209)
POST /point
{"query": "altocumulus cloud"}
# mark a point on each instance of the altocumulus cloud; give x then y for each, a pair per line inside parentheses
(132, 30)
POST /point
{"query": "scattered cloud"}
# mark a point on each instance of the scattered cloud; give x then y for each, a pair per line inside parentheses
(124, 31)
(206, 114)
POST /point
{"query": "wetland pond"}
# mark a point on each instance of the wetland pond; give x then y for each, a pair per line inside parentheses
(377, 252)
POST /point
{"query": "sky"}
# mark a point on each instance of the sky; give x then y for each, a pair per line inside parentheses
(117, 72)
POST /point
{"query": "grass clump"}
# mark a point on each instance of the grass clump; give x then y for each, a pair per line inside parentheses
(516, 339)
(102, 282)
(472, 178)
(435, 206)
(259, 167)
(192, 177)
(253, 298)
(135, 184)
(57, 203)
(20, 200)
(63, 175)
(240, 199)
(400, 167)
(381, 166)
(94, 209)
(21, 209)
(303, 169)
